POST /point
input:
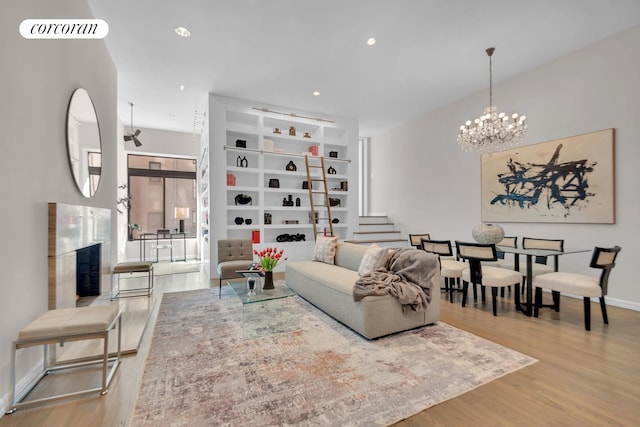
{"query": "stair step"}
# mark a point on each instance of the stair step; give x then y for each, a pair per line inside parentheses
(377, 232)
(381, 242)
(367, 219)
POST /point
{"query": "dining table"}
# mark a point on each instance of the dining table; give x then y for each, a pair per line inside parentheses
(531, 255)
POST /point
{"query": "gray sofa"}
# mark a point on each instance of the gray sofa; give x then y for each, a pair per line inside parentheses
(330, 288)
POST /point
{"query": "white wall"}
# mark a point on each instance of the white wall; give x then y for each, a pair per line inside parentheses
(38, 78)
(425, 183)
(155, 142)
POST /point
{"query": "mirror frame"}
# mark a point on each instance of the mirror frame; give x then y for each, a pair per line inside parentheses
(80, 104)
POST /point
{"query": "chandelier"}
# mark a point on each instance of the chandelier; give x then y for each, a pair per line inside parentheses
(492, 131)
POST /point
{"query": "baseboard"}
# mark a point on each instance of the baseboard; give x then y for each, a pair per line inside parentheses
(25, 381)
(614, 302)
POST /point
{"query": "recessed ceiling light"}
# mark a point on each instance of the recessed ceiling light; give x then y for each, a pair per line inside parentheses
(316, 93)
(371, 41)
(182, 32)
(182, 87)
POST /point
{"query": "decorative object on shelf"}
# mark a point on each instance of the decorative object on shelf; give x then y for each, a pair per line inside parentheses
(305, 185)
(298, 237)
(267, 145)
(334, 201)
(267, 218)
(292, 131)
(242, 162)
(344, 185)
(241, 143)
(269, 258)
(274, 183)
(298, 201)
(333, 154)
(243, 199)
(277, 131)
(307, 135)
(291, 167)
(255, 236)
(313, 149)
(239, 220)
(290, 221)
(487, 233)
(287, 201)
(335, 220)
(332, 170)
(231, 180)
(492, 132)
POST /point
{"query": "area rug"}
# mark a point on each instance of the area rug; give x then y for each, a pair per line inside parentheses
(200, 370)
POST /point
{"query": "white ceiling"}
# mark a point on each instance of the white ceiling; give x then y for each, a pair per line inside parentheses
(429, 53)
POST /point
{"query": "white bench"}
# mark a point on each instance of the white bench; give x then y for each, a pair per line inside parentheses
(131, 267)
(66, 325)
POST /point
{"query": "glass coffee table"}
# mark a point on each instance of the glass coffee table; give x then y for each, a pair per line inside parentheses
(271, 311)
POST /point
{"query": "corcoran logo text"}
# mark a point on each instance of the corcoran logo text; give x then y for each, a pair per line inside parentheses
(64, 29)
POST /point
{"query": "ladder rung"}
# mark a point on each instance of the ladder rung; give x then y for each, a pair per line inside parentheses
(315, 166)
(317, 192)
(317, 179)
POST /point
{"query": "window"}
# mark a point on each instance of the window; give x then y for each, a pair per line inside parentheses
(163, 194)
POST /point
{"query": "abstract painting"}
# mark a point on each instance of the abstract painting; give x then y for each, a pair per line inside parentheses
(569, 180)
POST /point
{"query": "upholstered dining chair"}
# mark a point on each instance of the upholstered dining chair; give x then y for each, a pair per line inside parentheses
(485, 276)
(540, 265)
(450, 269)
(415, 240)
(502, 262)
(233, 255)
(579, 284)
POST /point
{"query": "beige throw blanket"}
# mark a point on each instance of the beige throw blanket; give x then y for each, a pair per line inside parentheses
(408, 276)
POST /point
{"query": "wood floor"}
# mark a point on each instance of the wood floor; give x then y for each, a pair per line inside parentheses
(581, 379)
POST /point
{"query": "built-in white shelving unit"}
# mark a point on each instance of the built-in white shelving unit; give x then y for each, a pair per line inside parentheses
(236, 171)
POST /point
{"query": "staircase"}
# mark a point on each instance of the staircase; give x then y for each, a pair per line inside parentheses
(378, 229)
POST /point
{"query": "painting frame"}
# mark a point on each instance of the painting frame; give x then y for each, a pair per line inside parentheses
(569, 180)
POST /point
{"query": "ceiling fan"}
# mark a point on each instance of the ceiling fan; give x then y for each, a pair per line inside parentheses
(133, 135)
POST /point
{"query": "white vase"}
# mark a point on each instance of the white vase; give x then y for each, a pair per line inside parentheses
(487, 233)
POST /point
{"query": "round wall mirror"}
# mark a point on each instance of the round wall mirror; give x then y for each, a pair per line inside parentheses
(83, 143)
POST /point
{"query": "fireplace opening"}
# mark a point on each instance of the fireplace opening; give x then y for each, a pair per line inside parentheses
(88, 271)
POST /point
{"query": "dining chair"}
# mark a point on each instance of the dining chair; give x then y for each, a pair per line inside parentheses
(485, 276)
(579, 284)
(450, 269)
(502, 262)
(415, 240)
(540, 265)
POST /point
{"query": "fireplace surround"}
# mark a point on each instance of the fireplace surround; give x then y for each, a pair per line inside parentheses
(73, 228)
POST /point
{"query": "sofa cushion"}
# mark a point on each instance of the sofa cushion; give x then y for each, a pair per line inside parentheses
(349, 255)
(331, 276)
(373, 258)
(325, 249)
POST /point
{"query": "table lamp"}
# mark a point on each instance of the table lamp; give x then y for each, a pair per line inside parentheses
(181, 214)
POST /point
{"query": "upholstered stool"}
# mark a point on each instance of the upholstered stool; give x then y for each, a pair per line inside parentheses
(131, 267)
(66, 325)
